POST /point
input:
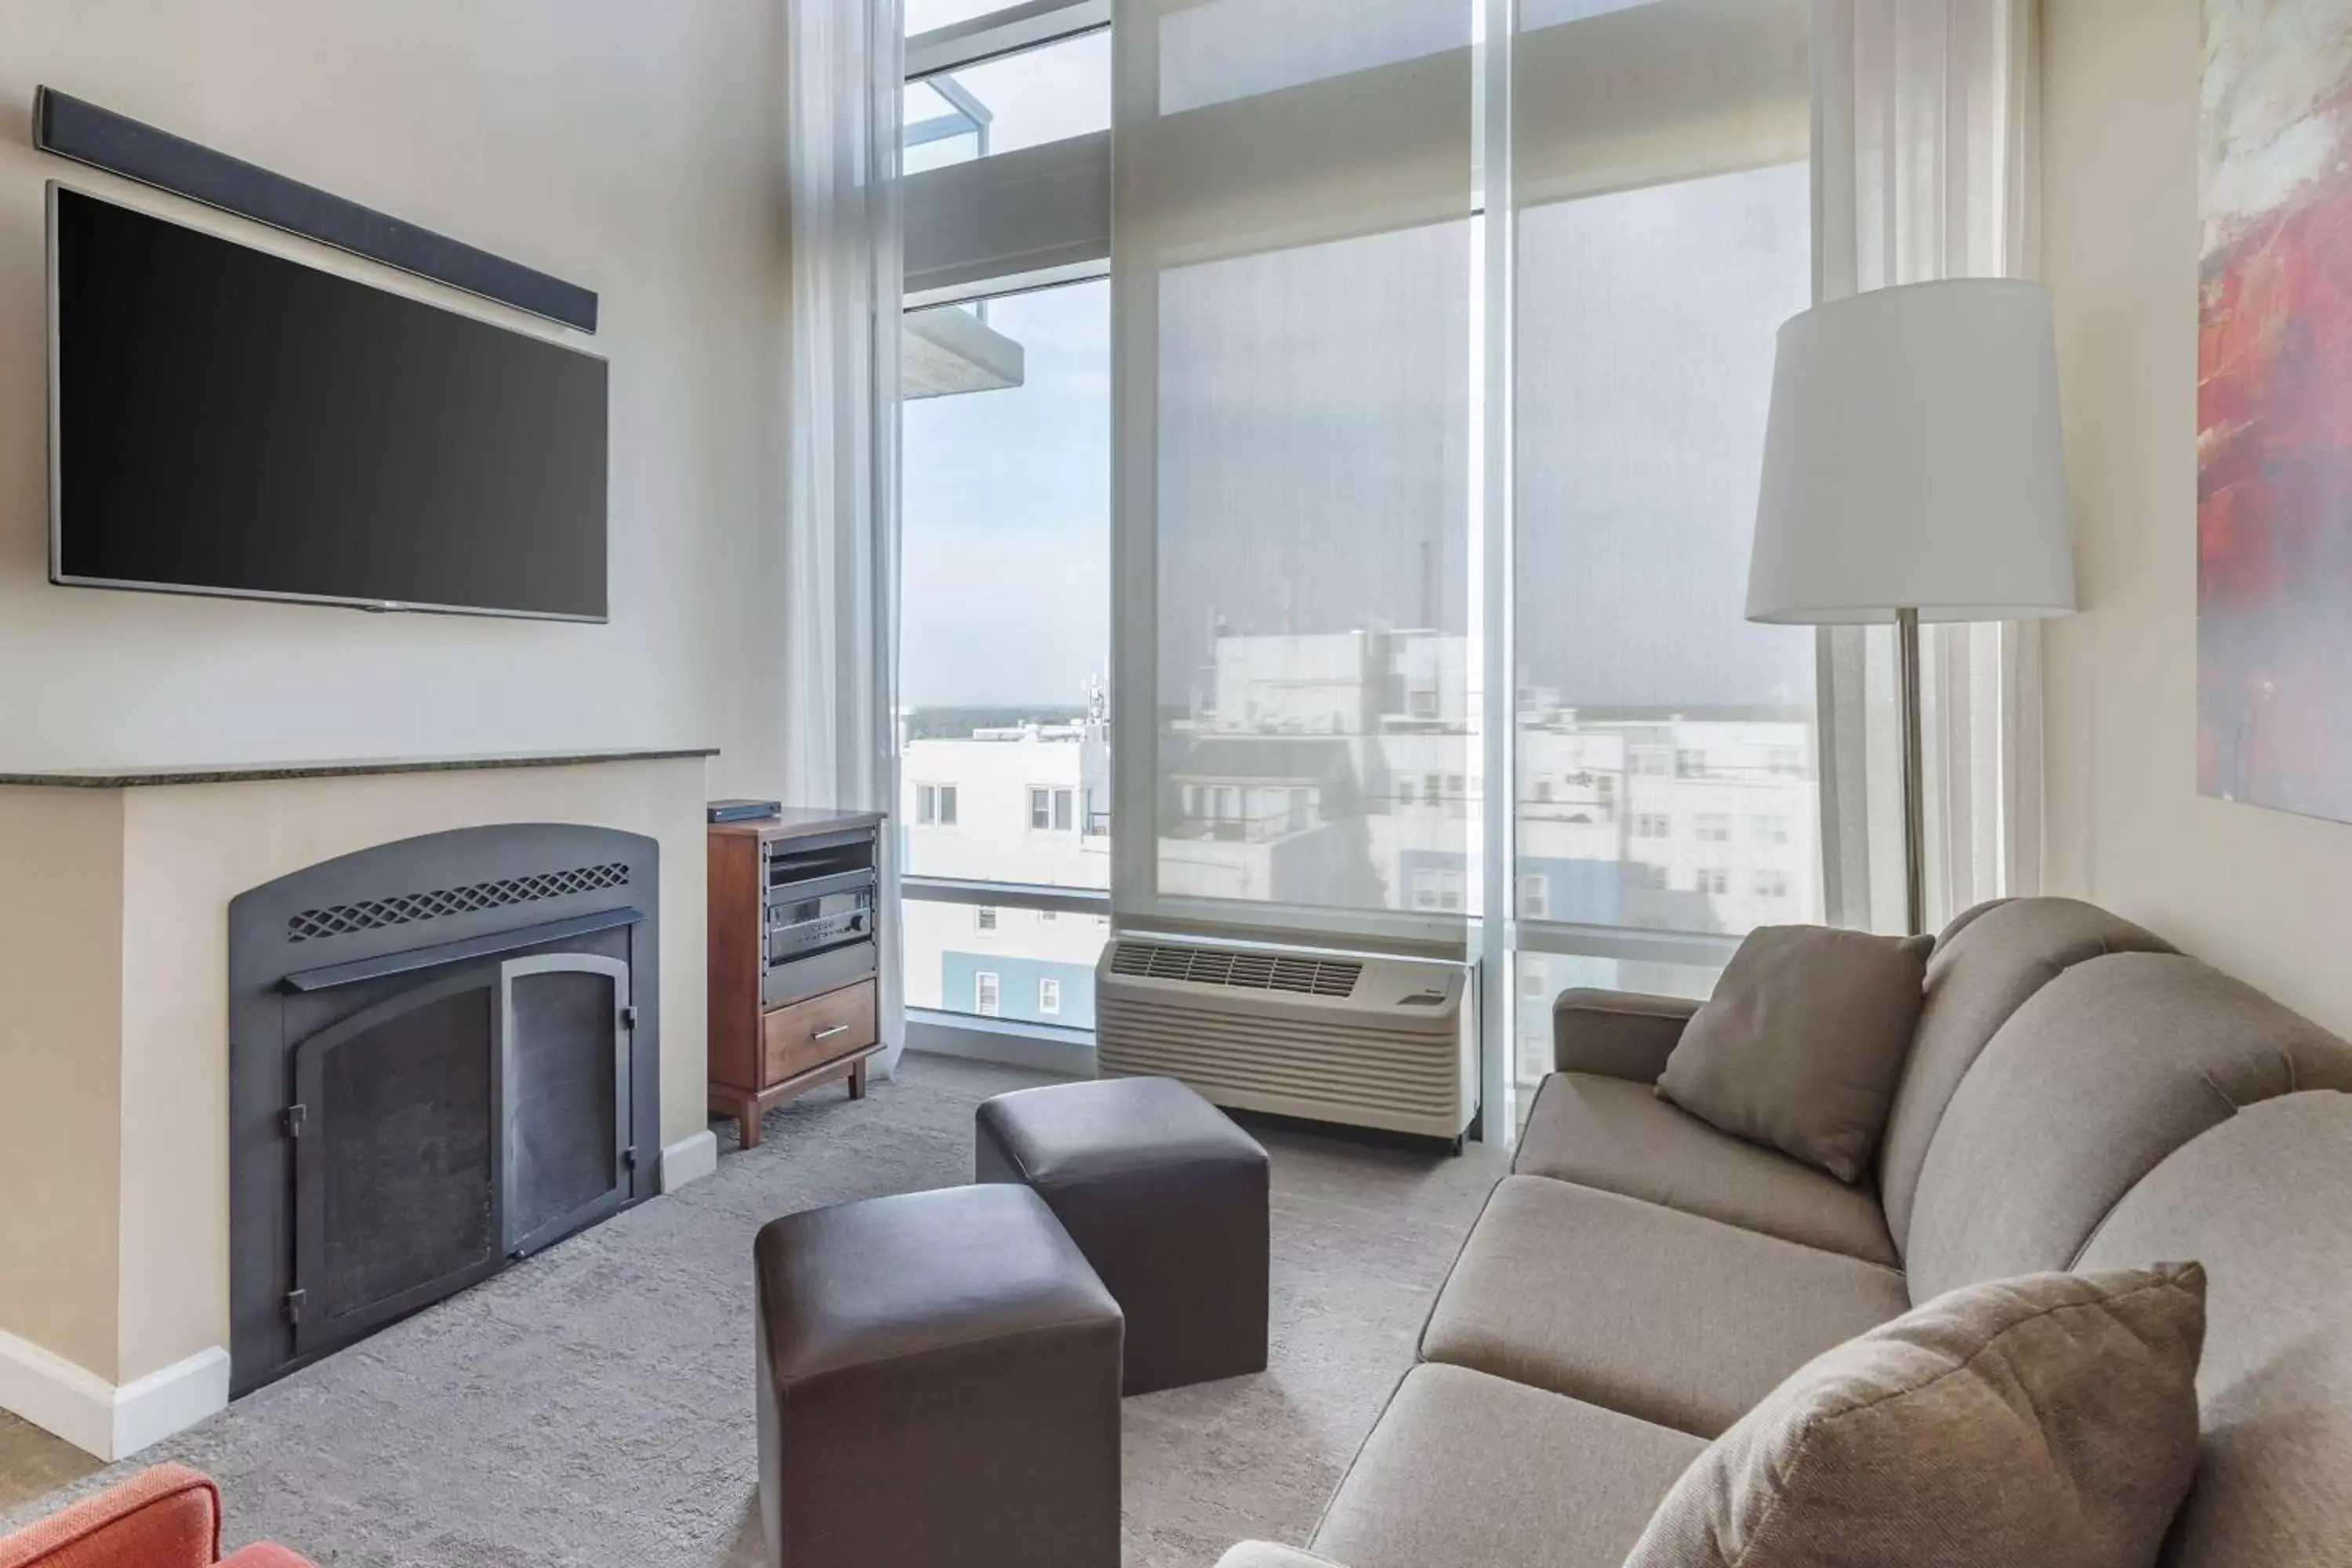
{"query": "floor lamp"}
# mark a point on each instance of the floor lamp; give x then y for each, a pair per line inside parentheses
(1913, 472)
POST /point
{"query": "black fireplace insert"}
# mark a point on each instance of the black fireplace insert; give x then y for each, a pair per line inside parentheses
(444, 1055)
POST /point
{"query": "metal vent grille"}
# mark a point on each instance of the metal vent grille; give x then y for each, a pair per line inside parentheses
(406, 908)
(1238, 971)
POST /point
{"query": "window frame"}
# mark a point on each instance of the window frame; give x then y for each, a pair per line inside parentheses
(1008, 30)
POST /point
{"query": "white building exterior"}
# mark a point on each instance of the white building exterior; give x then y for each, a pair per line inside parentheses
(1345, 770)
(1027, 804)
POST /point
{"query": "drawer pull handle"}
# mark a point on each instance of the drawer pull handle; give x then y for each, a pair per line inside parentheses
(828, 1034)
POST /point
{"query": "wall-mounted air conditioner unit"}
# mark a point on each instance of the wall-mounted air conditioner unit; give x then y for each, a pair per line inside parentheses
(1357, 1038)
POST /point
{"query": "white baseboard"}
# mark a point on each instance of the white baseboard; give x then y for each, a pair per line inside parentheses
(169, 1401)
(689, 1159)
(98, 1417)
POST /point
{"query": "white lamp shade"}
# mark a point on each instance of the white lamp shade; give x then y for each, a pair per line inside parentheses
(1913, 460)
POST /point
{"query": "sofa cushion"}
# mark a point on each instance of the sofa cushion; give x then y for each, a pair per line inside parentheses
(2046, 1419)
(1609, 1133)
(1641, 1309)
(2265, 1201)
(2106, 1070)
(1800, 1045)
(1987, 961)
(1467, 1468)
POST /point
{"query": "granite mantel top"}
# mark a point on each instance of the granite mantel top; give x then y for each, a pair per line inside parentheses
(253, 772)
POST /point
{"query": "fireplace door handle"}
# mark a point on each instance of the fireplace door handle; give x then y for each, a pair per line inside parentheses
(828, 1034)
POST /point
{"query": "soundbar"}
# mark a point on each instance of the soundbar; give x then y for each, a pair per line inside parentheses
(73, 128)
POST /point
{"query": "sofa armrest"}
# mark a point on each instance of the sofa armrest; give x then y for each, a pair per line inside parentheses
(167, 1517)
(1618, 1034)
(1266, 1554)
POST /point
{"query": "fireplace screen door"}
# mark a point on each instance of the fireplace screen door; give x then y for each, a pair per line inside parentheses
(475, 1117)
(564, 1039)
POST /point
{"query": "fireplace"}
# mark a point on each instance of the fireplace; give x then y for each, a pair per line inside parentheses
(443, 1058)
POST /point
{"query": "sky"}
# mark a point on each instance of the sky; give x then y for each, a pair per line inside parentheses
(1006, 560)
(1316, 453)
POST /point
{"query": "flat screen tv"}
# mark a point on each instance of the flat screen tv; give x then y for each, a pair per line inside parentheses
(227, 421)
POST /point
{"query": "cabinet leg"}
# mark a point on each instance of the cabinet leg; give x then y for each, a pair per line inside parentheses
(748, 1116)
(857, 1082)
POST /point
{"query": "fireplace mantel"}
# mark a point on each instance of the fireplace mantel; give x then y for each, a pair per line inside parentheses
(114, 1047)
(256, 773)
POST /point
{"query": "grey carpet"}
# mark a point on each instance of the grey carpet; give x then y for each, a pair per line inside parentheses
(593, 1406)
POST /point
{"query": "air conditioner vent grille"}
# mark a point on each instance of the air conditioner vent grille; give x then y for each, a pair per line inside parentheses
(1237, 970)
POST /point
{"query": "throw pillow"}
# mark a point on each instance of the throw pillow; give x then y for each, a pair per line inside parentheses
(1803, 1042)
(2051, 1418)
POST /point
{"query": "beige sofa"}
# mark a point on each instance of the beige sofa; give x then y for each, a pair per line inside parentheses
(2077, 1095)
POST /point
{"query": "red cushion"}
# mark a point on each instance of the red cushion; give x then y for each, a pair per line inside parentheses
(168, 1516)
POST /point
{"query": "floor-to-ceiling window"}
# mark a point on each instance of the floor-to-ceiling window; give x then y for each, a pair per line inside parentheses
(1004, 609)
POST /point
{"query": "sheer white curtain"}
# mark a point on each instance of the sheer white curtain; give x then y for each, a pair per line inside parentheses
(1924, 167)
(843, 80)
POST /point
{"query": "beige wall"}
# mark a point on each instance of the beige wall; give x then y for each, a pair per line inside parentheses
(631, 146)
(2258, 892)
(61, 1083)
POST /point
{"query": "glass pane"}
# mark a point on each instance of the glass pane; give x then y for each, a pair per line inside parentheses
(1002, 105)
(1295, 236)
(1005, 636)
(1316, 730)
(1032, 965)
(1666, 746)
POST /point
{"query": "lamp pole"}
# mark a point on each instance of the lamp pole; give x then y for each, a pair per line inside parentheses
(1914, 808)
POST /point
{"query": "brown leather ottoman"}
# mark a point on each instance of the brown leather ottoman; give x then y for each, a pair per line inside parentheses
(938, 1384)
(1168, 1199)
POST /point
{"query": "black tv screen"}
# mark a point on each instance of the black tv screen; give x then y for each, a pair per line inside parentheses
(227, 421)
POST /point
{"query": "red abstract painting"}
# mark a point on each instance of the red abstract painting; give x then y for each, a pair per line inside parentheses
(2275, 408)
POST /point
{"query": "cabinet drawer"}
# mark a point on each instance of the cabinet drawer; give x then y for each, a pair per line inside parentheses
(809, 1034)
